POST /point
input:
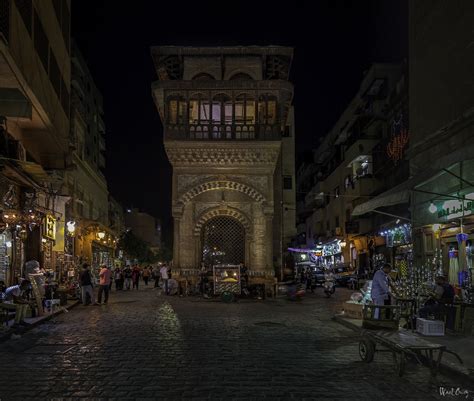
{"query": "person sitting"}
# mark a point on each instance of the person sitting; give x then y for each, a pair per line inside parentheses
(13, 300)
(442, 296)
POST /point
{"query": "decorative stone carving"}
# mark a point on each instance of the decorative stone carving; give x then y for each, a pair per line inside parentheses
(226, 211)
(201, 207)
(222, 185)
(259, 182)
(222, 156)
(186, 181)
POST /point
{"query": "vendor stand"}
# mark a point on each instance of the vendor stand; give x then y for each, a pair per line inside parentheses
(227, 282)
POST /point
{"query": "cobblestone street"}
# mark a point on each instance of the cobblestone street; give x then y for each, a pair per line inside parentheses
(147, 346)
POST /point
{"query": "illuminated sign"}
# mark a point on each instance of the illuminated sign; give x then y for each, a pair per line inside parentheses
(49, 228)
(455, 208)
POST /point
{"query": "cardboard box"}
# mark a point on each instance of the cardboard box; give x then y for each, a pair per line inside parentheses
(353, 310)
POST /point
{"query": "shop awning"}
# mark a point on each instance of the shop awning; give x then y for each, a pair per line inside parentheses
(24, 173)
(395, 196)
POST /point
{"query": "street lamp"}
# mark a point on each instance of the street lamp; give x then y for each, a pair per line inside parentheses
(71, 227)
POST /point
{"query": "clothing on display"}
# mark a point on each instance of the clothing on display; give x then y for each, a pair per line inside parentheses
(453, 267)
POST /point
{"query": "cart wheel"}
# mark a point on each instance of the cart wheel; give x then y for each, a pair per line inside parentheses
(399, 358)
(366, 350)
(227, 297)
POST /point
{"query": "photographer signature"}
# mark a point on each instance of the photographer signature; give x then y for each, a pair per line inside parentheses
(455, 392)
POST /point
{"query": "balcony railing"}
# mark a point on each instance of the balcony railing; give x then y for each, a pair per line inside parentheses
(216, 132)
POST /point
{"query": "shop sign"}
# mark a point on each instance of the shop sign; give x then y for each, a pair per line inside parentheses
(49, 228)
(332, 249)
(455, 208)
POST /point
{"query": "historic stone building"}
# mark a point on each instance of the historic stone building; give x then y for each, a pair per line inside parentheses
(229, 135)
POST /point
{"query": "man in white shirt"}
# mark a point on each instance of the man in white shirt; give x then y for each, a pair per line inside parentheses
(164, 277)
(14, 301)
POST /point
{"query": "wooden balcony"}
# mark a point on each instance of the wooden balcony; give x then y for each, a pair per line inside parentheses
(223, 132)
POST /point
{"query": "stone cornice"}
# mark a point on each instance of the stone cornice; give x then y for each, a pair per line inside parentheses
(223, 154)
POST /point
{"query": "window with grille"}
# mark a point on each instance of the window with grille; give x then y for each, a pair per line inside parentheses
(41, 42)
(223, 241)
(287, 182)
(25, 8)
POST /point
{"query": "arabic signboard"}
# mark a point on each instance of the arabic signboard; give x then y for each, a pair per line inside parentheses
(455, 208)
(49, 227)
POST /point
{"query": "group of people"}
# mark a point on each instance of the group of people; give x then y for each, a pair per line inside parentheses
(382, 290)
(129, 277)
(124, 278)
(87, 285)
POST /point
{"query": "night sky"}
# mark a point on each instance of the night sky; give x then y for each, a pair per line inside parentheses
(335, 42)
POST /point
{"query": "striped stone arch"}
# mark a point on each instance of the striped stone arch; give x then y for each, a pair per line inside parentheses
(229, 185)
(228, 212)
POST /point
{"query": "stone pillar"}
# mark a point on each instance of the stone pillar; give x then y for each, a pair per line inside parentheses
(269, 242)
(176, 239)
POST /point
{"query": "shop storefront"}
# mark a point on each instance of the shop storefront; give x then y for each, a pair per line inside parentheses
(396, 250)
(444, 211)
(333, 253)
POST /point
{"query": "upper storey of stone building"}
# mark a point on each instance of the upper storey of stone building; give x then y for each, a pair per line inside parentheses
(223, 93)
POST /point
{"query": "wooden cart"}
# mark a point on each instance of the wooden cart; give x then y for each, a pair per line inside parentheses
(381, 335)
(227, 281)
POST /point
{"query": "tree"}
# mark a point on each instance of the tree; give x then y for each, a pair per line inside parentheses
(136, 248)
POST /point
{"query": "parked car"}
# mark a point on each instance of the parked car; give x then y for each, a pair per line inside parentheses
(345, 275)
(316, 271)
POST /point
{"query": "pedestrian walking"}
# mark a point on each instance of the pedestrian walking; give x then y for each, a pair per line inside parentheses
(164, 273)
(127, 274)
(87, 287)
(118, 277)
(156, 276)
(146, 275)
(135, 276)
(105, 278)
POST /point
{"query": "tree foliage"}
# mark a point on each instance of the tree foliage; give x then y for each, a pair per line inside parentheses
(135, 248)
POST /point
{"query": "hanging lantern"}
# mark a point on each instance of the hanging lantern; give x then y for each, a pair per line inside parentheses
(11, 216)
(461, 237)
(71, 228)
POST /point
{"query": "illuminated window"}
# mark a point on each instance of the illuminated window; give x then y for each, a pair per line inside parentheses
(267, 109)
(176, 111)
(244, 110)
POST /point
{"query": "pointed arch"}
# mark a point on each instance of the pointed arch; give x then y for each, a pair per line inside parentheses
(223, 211)
(219, 185)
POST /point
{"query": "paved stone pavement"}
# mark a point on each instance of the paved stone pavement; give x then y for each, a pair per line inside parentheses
(144, 345)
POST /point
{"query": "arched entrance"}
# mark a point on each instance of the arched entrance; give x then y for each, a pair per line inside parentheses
(223, 241)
